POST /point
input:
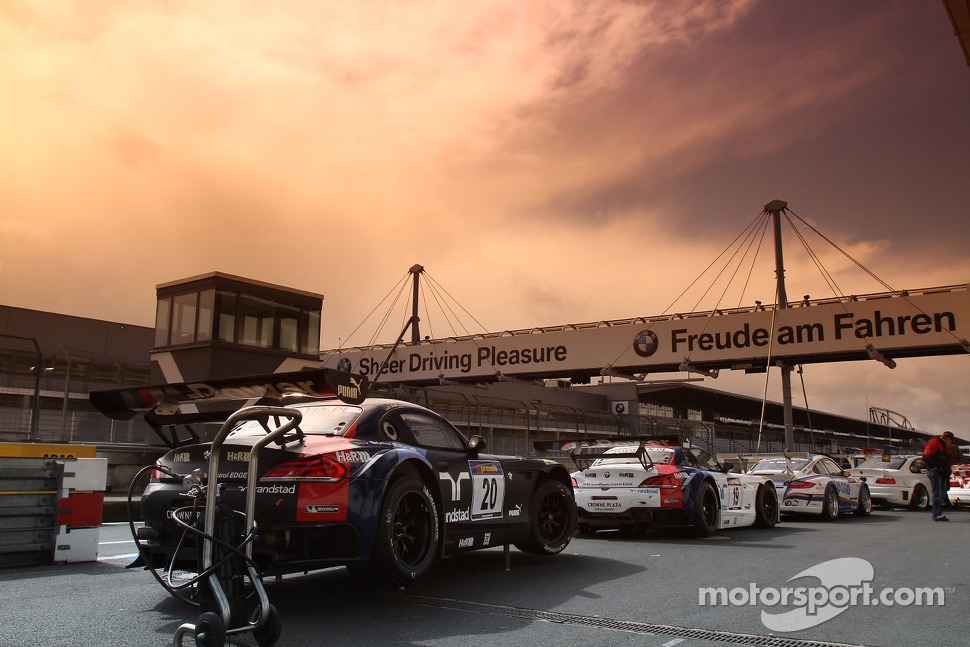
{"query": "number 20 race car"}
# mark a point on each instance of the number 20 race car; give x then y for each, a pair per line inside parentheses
(658, 482)
(383, 486)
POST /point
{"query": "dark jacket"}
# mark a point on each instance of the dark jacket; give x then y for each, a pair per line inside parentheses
(937, 456)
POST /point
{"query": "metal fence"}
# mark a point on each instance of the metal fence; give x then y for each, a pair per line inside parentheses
(44, 397)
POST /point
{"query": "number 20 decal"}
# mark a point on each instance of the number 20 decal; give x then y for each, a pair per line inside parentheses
(488, 489)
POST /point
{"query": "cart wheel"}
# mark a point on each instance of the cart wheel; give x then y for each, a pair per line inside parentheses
(269, 633)
(210, 631)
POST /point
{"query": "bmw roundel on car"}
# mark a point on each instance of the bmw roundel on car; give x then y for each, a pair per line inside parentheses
(383, 486)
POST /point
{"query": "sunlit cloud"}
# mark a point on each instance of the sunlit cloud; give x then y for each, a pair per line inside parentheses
(547, 162)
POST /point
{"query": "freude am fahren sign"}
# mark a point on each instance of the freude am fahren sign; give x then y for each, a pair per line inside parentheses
(838, 329)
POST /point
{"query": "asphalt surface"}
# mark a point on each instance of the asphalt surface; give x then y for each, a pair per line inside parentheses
(607, 590)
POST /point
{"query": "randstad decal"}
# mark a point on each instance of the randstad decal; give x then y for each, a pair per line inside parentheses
(276, 489)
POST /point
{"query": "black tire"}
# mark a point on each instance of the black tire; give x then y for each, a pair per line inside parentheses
(210, 630)
(920, 499)
(408, 532)
(830, 504)
(708, 508)
(864, 508)
(269, 633)
(552, 520)
(766, 507)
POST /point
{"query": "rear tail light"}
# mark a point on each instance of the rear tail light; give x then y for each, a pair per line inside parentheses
(307, 468)
(672, 480)
(575, 484)
(162, 473)
(800, 485)
(886, 480)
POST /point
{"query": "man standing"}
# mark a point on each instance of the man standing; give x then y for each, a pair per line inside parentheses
(937, 454)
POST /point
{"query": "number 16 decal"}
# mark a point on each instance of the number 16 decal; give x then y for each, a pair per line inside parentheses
(488, 489)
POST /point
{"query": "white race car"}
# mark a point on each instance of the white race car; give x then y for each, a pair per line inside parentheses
(652, 483)
(959, 491)
(899, 481)
(812, 484)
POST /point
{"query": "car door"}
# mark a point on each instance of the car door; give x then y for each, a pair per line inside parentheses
(847, 486)
(472, 488)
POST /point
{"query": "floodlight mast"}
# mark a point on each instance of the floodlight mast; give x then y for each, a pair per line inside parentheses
(774, 208)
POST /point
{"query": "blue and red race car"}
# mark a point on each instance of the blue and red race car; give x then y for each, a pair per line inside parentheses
(383, 486)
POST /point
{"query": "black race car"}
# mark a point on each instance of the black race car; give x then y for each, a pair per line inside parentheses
(383, 486)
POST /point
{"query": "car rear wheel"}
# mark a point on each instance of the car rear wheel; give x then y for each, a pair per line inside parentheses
(766, 507)
(864, 509)
(707, 510)
(408, 533)
(830, 504)
(553, 520)
(920, 499)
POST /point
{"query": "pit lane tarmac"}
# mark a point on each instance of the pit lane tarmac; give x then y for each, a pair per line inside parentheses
(684, 633)
(603, 591)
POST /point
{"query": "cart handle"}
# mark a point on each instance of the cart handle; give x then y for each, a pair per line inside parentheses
(294, 417)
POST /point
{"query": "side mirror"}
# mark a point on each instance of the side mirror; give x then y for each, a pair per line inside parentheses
(476, 444)
(727, 467)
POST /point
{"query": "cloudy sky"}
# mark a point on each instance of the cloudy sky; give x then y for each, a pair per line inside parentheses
(547, 162)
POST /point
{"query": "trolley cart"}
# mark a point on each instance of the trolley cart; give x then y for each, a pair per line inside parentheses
(228, 578)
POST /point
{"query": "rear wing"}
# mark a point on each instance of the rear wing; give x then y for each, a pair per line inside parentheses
(162, 405)
(749, 460)
(585, 452)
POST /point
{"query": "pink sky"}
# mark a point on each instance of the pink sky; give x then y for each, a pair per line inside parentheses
(547, 162)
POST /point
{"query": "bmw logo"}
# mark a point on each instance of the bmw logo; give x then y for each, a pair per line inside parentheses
(645, 343)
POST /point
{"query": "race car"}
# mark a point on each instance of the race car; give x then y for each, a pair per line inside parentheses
(811, 484)
(898, 480)
(660, 483)
(383, 486)
(959, 491)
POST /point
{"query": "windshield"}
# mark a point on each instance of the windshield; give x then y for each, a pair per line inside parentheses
(703, 460)
(317, 420)
(876, 463)
(779, 465)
